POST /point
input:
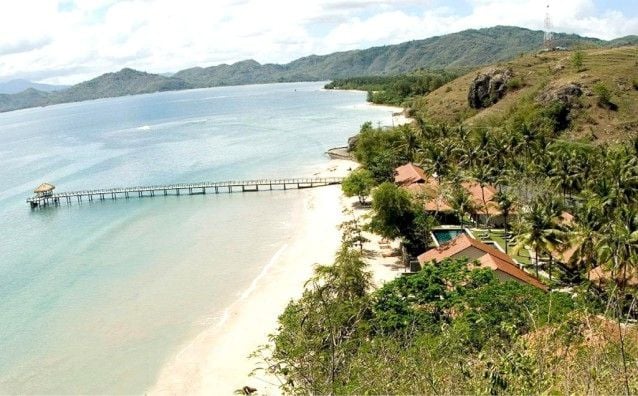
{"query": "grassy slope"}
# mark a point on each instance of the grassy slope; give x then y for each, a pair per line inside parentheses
(615, 67)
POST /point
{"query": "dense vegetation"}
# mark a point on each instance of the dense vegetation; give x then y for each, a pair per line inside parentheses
(444, 330)
(448, 329)
(395, 90)
(469, 48)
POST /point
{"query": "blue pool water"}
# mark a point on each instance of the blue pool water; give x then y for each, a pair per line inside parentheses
(445, 235)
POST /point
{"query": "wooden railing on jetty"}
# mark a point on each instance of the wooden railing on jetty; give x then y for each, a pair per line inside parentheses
(183, 188)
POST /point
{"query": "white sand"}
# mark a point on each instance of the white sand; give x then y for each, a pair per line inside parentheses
(217, 361)
(382, 256)
(398, 114)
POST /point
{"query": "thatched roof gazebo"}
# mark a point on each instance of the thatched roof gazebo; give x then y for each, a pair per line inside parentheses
(44, 190)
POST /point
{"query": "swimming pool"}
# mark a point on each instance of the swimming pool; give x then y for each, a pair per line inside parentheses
(442, 236)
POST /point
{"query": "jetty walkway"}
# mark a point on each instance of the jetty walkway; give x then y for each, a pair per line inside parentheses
(49, 198)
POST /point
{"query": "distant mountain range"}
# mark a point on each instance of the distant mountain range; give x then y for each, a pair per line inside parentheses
(19, 85)
(466, 49)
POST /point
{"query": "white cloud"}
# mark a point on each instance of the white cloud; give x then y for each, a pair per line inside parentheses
(69, 40)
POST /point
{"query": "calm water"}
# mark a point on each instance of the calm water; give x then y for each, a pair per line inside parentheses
(95, 298)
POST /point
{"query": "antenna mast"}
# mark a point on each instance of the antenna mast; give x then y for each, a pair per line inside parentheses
(548, 39)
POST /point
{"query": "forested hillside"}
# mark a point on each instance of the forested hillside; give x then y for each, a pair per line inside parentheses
(466, 49)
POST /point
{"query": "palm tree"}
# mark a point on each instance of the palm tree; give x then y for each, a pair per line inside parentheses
(622, 171)
(505, 203)
(585, 232)
(539, 231)
(460, 202)
(409, 142)
(528, 137)
(618, 246)
(483, 175)
(565, 174)
(436, 158)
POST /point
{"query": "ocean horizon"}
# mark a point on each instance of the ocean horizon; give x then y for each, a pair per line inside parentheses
(97, 297)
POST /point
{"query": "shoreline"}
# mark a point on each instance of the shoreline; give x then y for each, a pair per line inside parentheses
(217, 360)
(399, 116)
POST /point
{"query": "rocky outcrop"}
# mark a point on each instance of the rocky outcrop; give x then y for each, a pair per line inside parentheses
(566, 94)
(352, 143)
(487, 88)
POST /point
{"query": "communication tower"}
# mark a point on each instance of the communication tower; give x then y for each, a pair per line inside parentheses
(548, 39)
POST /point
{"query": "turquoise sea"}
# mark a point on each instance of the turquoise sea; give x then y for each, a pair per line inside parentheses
(95, 298)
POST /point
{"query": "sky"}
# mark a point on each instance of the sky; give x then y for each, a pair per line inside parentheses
(68, 41)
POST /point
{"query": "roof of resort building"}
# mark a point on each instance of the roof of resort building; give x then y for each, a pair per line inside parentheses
(408, 174)
(416, 181)
(491, 258)
(44, 187)
(429, 193)
(474, 190)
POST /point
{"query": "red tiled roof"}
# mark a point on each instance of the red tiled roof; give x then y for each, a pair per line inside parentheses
(492, 258)
(415, 180)
(408, 174)
(428, 191)
(511, 269)
(474, 189)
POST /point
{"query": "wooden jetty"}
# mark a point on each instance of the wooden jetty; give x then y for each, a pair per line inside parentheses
(44, 194)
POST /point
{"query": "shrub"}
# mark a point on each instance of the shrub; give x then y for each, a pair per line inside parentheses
(603, 93)
(514, 83)
(577, 60)
(635, 84)
(358, 183)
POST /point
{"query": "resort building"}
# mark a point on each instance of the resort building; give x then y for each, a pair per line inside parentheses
(409, 174)
(44, 190)
(483, 255)
(427, 188)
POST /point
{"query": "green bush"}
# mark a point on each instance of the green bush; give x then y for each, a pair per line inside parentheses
(358, 183)
(577, 60)
(603, 93)
(514, 83)
(446, 329)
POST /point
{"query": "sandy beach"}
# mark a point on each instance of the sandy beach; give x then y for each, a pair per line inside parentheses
(217, 360)
(398, 114)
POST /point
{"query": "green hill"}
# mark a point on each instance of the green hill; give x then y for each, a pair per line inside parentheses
(124, 82)
(469, 48)
(539, 76)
